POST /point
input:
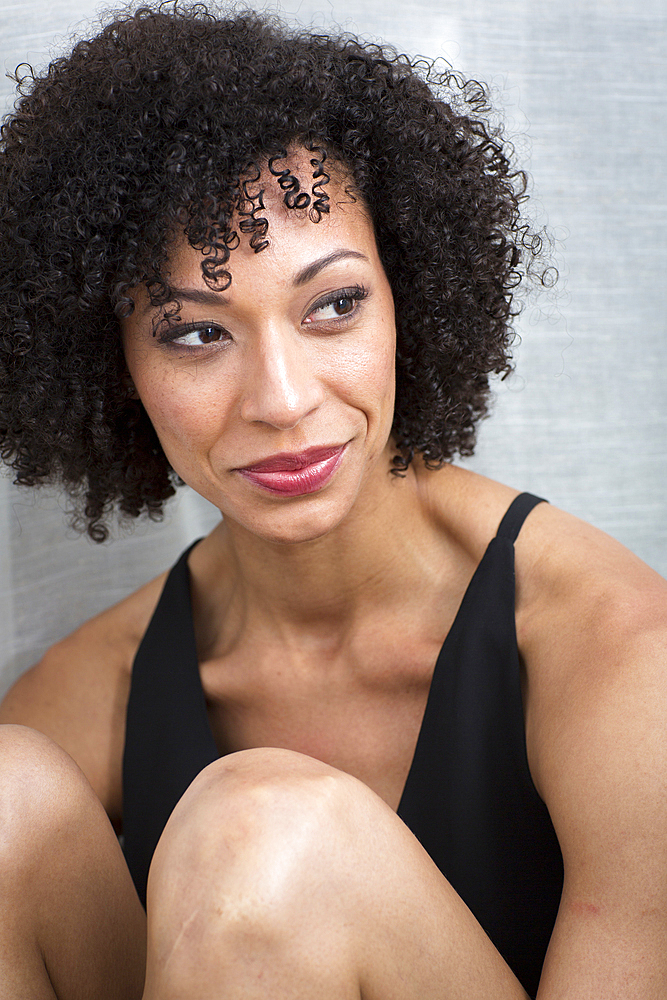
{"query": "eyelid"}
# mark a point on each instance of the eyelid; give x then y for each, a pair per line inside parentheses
(355, 292)
(171, 332)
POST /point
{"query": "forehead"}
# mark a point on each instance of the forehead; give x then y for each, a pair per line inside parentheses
(293, 238)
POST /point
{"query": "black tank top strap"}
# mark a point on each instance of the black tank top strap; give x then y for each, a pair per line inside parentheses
(469, 797)
(516, 514)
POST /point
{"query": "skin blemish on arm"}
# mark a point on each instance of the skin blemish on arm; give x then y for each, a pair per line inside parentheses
(583, 908)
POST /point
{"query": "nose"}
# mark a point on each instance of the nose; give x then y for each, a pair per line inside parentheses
(281, 387)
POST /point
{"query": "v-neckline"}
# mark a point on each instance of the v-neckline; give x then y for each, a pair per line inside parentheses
(438, 667)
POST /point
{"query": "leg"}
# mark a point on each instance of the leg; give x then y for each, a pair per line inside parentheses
(72, 925)
(280, 878)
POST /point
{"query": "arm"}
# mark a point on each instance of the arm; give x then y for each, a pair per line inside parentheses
(594, 637)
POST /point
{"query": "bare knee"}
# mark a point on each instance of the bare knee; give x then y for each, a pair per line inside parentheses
(255, 795)
(41, 792)
(265, 822)
(256, 866)
(262, 784)
(73, 923)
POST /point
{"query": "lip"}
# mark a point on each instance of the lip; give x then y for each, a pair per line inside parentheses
(296, 473)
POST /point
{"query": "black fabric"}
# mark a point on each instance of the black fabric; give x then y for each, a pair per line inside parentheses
(168, 740)
(469, 796)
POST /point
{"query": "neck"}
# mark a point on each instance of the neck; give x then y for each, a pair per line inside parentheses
(382, 556)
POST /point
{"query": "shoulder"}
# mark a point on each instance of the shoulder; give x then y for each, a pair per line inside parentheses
(567, 571)
(592, 632)
(564, 566)
(77, 693)
(591, 627)
(590, 614)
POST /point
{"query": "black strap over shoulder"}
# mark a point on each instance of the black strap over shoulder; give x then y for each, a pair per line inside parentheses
(470, 798)
(516, 514)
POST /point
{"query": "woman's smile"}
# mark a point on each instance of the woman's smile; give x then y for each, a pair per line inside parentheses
(296, 474)
(274, 399)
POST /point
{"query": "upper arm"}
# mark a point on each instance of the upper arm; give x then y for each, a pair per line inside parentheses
(605, 783)
(597, 737)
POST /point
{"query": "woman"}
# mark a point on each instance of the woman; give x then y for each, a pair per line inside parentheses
(281, 268)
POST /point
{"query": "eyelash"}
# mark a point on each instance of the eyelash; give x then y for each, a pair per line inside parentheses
(357, 293)
(170, 336)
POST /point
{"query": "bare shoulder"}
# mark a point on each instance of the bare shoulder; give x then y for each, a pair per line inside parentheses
(592, 631)
(591, 625)
(585, 603)
(77, 693)
(577, 589)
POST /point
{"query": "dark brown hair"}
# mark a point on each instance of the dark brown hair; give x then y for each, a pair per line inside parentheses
(159, 120)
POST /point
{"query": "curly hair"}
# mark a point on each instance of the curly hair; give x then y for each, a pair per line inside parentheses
(161, 119)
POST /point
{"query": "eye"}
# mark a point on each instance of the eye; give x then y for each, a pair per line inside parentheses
(194, 335)
(338, 305)
(341, 307)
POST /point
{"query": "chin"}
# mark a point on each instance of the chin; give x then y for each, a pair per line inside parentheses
(299, 523)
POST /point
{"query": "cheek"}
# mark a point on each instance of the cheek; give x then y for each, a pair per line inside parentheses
(185, 410)
(371, 373)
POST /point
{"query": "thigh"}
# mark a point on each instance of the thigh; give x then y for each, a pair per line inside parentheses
(279, 877)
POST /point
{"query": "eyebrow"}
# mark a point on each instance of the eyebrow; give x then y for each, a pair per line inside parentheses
(204, 297)
(198, 295)
(307, 273)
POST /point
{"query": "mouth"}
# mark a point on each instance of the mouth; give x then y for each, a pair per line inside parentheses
(295, 474)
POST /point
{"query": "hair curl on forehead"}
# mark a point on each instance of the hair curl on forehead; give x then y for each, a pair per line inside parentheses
(166, 120)
(244, 216)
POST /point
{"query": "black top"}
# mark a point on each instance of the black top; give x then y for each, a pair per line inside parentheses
(469, 796)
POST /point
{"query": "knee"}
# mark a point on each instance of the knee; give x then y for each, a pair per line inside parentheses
(269, 819)
(253, 796)
(253, 866)
(41, 790)
(264, 783)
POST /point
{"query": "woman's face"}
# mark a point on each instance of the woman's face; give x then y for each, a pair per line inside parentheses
(275, 399)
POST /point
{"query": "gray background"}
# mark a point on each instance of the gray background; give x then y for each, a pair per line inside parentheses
(584, 421)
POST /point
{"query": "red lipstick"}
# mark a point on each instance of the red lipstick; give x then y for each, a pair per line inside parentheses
(292, 475)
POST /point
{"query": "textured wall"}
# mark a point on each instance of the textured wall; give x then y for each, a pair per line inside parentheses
(584, 421)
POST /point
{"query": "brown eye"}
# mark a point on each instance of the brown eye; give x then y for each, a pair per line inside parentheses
(196, 336)
(209, 334)
(343, 306)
